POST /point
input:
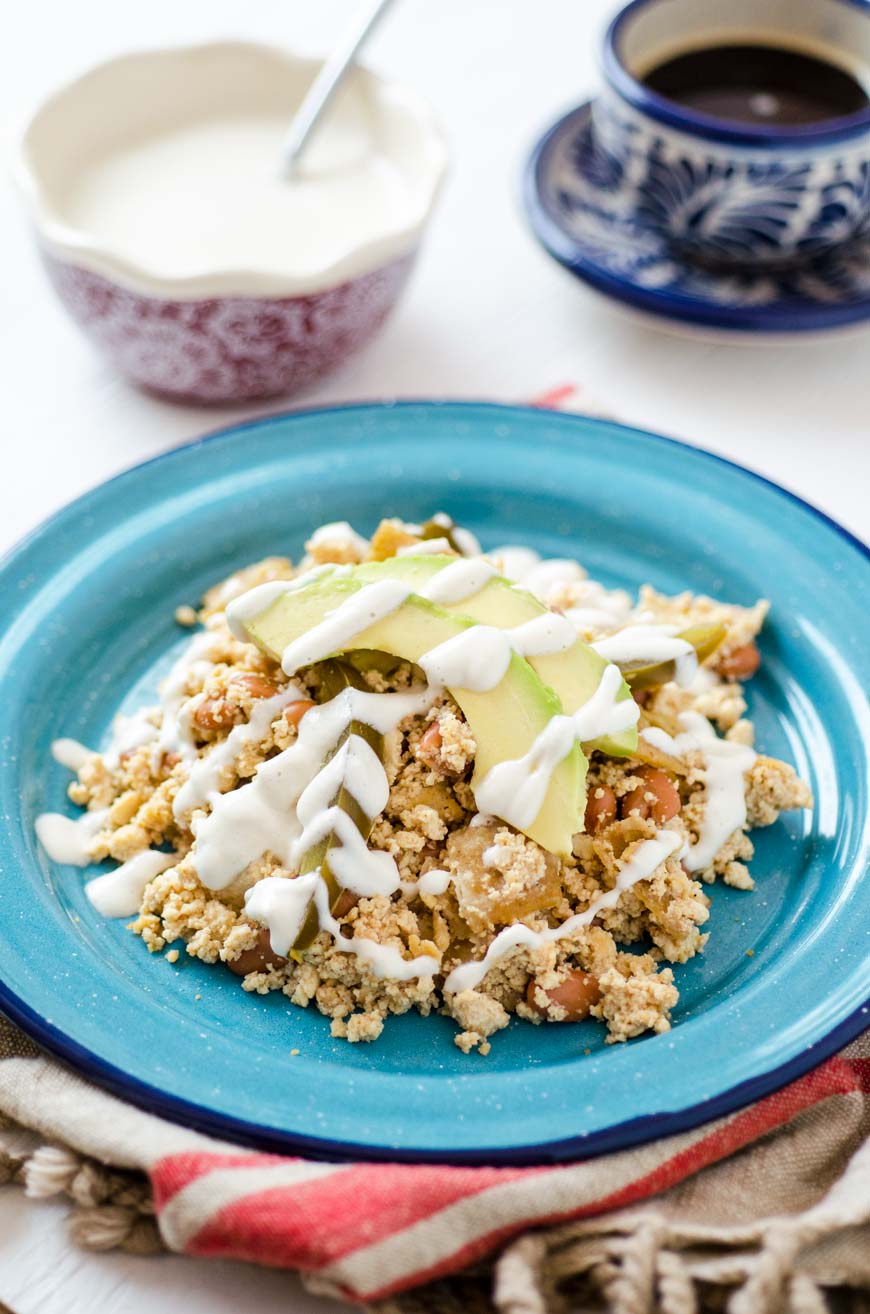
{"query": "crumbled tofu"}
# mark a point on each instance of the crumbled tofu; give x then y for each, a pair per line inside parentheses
(484, 874)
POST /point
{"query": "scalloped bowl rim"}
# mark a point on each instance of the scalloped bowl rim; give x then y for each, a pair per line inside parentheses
(71, 245)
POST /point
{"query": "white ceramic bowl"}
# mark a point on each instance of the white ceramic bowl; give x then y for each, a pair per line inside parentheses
(256, 329)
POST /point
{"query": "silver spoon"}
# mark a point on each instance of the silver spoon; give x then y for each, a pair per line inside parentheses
(327, 82)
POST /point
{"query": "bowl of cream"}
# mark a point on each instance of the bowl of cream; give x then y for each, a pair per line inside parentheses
(174, 241)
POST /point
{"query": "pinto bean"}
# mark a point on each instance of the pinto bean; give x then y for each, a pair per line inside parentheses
(576, 995)
(657, 798)
(346, 900)
(430, 742)
(220, 712)
(257, 958)
(600, 808)
(740, 663)
(256, 685)
(294, 712)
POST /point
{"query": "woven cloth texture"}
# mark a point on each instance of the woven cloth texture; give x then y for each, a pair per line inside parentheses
(766, 1211)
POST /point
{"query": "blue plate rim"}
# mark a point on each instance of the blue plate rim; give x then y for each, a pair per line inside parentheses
(620, 1136)
(778, 317)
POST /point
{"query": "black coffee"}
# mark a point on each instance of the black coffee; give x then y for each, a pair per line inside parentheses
(764, 85)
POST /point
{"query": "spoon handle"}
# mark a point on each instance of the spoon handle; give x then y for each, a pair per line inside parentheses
(326, 83)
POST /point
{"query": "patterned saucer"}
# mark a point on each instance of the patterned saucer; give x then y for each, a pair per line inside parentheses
(582, 212)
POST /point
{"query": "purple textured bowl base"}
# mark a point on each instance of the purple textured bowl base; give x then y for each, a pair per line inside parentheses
(226, 349)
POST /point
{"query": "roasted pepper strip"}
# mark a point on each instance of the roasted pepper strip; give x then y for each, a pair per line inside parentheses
(705, 639)
(435, 529)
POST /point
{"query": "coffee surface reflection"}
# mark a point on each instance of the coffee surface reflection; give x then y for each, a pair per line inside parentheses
(763, 85)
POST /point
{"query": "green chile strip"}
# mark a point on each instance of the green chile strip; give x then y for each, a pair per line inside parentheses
(336, 676)
(705, 639)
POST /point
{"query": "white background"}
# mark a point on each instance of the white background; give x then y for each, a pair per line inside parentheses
(487, 315)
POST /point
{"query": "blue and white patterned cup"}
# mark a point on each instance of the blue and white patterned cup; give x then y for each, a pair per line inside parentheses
(728, 192)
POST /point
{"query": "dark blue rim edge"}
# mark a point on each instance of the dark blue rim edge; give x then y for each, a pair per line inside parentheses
(708, 126)
(779, 317)
(622, 1136)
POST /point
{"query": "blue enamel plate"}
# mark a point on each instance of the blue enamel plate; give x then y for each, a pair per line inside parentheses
(89, 601)
(582, 207)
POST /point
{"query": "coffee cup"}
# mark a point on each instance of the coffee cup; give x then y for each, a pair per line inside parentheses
(740, 133)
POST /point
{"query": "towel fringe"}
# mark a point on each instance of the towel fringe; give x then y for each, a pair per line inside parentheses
(111, 1209)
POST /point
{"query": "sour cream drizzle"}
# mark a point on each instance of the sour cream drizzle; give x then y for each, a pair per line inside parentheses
(288, 806)
(119, 893)
(175, 734)
(358, 612)
(70, 753)
(204, 780)
(282, 904)
(651, 644)
(646, 858)
(515, 790)
(462, 579)
(268, 814)
(67, 839)
(725, 768)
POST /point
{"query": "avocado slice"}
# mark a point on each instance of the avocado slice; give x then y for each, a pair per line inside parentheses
(505, 720)
(574, 675)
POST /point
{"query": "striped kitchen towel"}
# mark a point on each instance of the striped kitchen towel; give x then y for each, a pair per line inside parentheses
(770, 1204)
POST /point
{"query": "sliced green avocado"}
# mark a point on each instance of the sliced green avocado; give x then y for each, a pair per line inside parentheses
(505, 721)
(574, 674)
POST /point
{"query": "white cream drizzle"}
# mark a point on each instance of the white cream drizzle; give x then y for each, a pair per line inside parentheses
(650, 644)
(515, 562)
(552, 576)
(467, 543)
(704, 681)
(175, 734)
(262, 815)
(646, 858)
(206, 772)
(460, 580)
(281, 905)
(253, 602)
(597, 610)
(476, 659)
(428, 547)
(339, 534)
(515, 789)
(434, 881)
(129, 733)
(725, 768)
(357, 613)
(119, 893)
(67, 839)
(357, 769)
(288, 807)
(70, 753)
(593, 608)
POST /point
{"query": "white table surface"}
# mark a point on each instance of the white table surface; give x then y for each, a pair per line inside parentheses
(487, 315)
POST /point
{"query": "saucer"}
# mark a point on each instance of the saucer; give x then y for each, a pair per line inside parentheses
(581, 211)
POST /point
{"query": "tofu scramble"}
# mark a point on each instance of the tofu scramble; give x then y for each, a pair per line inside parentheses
(407, 775)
